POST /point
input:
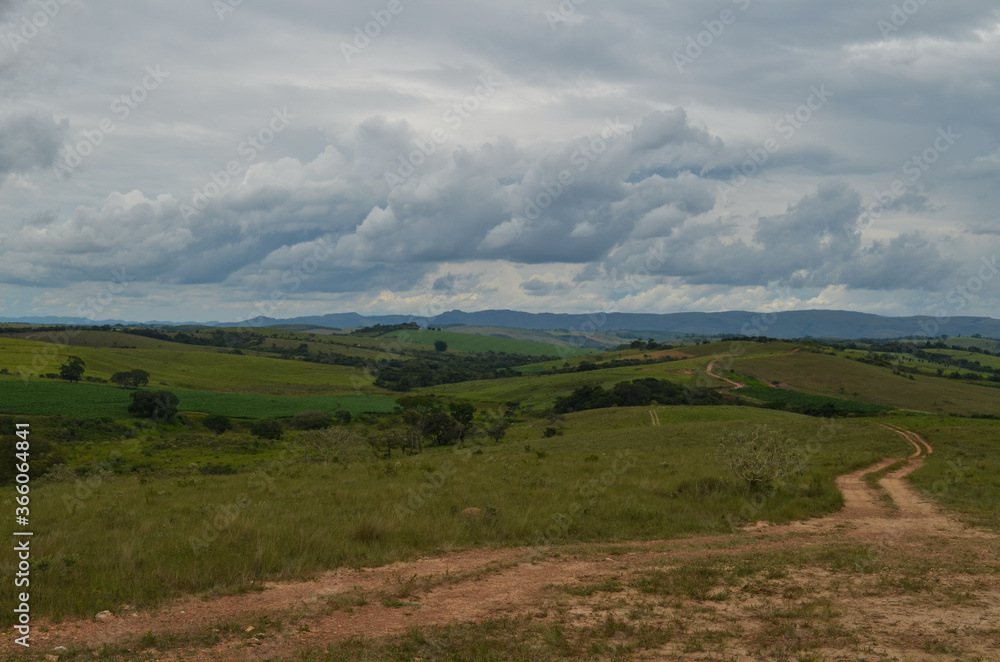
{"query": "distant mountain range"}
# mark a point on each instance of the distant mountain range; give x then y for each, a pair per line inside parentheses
(790, 324)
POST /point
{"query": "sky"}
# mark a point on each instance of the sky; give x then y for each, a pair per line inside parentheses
(222, 159)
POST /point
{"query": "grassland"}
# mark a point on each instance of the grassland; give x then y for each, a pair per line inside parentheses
(469, 342)
(190, 367)
(963, 472)
(823, 374)
(609, 476)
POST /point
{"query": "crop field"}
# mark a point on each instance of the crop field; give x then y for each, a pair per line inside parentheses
(98, 400)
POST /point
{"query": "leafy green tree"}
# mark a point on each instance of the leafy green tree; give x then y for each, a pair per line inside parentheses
(497, 426)
(441, 427)
(73, 369)
(463, 413)
(440, 345)
(217, 423)
(158, 405)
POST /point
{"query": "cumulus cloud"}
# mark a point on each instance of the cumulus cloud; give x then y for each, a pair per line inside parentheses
(593, 161)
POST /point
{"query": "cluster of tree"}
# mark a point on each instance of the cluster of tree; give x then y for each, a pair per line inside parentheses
(887, 354)
(422, 418)
(435, 368)
(587, 366)
(382, 329)
(638, 393)
(650, 345)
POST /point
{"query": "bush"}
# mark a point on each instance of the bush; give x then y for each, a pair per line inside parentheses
(267, 428)
(759, 455)
(217, 423)
(158, 405)
(311, 419)
(343, 416)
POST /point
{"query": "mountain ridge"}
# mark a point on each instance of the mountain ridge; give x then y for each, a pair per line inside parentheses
(787, 324)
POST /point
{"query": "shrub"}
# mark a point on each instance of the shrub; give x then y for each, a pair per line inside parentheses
(311, 419)
(217, 423)
(159, 405)
(759, 455)
(267, 428)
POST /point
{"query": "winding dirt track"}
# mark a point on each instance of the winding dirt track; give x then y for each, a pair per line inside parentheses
(735, 385)
(487, 583)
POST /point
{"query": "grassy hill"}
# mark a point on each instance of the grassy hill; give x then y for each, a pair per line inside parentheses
(192, 367)
(837, 376)
(469, 342)
(52, 398)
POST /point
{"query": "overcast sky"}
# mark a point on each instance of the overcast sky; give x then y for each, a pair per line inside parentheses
(200, 160)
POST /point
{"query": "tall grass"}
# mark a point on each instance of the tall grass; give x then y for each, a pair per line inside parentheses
(129, 540)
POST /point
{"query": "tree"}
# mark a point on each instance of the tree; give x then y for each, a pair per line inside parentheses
(463, 413)
(440, 345)
(131, 379)
(266, 428)
(415, 410)
(759, 455)
(158, 405)
(441, 427)
(73, 369)
(217, 423)
(497, 426)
